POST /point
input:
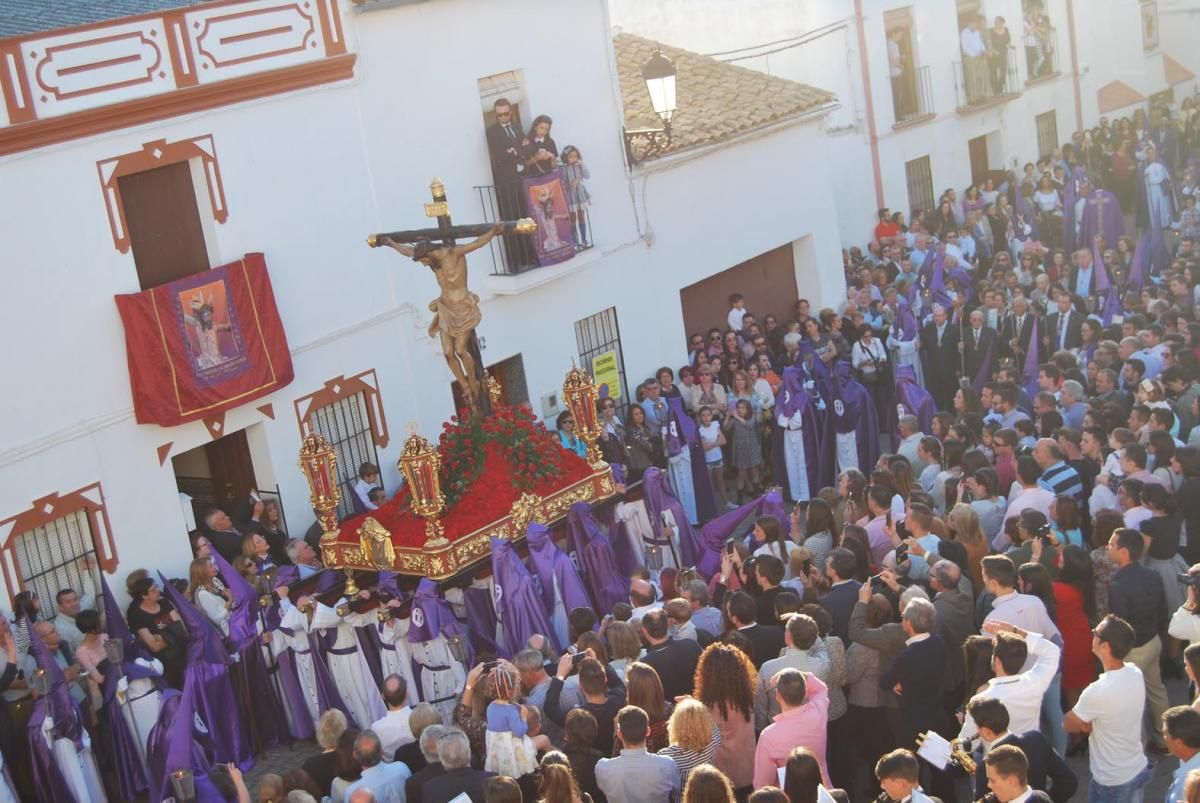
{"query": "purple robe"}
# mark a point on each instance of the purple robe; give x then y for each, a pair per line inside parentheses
(606, 582)
(550, 565)
(680, 432)
(520, 607)
(850, 409)
(660, 497)
(984, 373)
(911, 399)
(175, 744)
(208, 670)
(437, 617)
(1029, 375)
(1102, 217)
(68, 724)
(719, 530)
(792, 398)
(1138, 267)
(481, 622)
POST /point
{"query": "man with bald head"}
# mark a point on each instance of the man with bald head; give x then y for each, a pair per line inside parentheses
(1058, 476)
(939, 343)
(978, 341)
(1017, 329)
(643, 598)
(62, 656)
(955, 620)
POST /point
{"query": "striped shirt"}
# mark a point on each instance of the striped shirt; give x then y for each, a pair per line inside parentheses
(687, 760)
(1061, 478)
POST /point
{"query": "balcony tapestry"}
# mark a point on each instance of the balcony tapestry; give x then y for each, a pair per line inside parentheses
(554, 240)
(205, 343)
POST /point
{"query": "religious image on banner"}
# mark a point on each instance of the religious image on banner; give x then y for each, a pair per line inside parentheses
(554, 240)
(205, 343)
(206, 320)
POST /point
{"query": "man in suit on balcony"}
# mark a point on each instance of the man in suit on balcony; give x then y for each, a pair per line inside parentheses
(504, 138)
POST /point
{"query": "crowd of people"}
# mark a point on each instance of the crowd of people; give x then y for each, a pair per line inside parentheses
(991, 455)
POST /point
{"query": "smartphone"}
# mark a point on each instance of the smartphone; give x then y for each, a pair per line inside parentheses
(901, 554)
(729, 542)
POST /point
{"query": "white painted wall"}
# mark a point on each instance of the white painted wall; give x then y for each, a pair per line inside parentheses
(306, 177)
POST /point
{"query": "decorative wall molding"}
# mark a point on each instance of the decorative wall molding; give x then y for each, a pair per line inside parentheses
(339, 388)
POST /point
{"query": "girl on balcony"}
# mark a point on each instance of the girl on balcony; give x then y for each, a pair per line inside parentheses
(578, 197)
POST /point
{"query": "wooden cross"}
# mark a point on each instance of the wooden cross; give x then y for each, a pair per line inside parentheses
(446, 232)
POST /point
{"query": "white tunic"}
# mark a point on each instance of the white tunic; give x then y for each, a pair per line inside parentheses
(442, 678)
(349, 666)
(847, 450)
(396, 657)
(77, 766)
(794, 457)
(292, 619)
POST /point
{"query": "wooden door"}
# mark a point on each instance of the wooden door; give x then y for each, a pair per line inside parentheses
(232, 471)
(164, 224)
(979, 159)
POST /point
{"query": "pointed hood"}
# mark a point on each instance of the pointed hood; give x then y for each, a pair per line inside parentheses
(204, 640)
(431, 615)
(243, 624)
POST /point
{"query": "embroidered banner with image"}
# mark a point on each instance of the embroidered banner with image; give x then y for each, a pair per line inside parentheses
(204, 344)
(554, 240)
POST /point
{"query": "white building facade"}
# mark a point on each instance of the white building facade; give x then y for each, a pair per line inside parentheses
(303, 127)
(1102, 59)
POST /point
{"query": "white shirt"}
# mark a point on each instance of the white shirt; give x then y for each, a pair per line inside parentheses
(393, 731)
(1113, 705)
(642, 610)
(734, 319)
(1026, 612)
(972, 43)
(1021, 693)
(1136, 515)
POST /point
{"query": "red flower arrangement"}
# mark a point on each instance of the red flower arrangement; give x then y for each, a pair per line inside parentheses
(487, 463)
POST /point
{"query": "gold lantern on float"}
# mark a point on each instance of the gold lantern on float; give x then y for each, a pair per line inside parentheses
(421, 466)
(579, 392)
(318, 461)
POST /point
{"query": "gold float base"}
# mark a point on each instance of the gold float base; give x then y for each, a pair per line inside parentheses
(441, 561)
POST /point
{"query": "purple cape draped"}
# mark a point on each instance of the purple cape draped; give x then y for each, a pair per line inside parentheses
(628, 559)
(911, 399)
(436, 615)
(606, 582)
(1029, 374)
(984, 372)
(550, 564)
(1102, 216)
(791, 398)
(175, 744)
(717, 532)
(850, 408)
(213, 693)
(481, 622)
(660, 497)
(681, 430)
(67, 725)
(519, 605)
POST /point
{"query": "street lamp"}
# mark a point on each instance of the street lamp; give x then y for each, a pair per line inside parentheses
(642, 143)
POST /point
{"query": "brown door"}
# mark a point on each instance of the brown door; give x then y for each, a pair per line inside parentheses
(979, 159)
(164, 224)
(768, 282)
(232, 471)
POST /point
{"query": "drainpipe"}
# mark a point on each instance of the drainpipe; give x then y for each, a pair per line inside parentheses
(1074, 65)
(866, 79)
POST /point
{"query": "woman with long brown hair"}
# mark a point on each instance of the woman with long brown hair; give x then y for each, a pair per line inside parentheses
(963, 523)
(558, 785)
(205, 595)
(643, 688)
(724, 683)
(707, 784)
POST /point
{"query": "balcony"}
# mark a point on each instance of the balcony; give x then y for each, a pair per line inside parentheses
(912, 97)
(1041, 59)
(514, 254)
(983, 82)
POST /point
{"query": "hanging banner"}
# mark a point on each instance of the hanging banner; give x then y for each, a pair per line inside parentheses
(204, 344)
(554, 240)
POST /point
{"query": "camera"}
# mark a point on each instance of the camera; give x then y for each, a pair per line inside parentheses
(1189, 579)
(1043, 532)
(576, 655)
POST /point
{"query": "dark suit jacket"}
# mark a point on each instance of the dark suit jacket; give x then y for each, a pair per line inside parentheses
(1008, 333)
(1074, 331)
(1048, 772)
(414, 787)
(955, 621)
(1091, 287)
(920, 669)
(764, 606)
(445, 788)
(675, 663)
(767, 641)
(321, 769)
(410, 755)
(504, 164)
(840, 603)
(941, 363)
(974, 355)
(228, 543)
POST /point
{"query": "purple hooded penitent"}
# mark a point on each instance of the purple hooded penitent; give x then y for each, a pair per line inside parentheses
(850, 409)
(660, 497)
(680, 433)
(719, 530)
(911, 399)
(176, 744)
(208, 671)
(1029, 374)
(59, 706)
(551, 565)
(436, 616)
(481, 622)
(602, 577)
(790, 399)
(517, 601)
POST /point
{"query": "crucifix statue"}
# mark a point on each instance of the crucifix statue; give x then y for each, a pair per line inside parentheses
(456, 311)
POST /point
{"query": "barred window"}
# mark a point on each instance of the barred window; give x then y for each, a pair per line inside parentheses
(599, 335)
(919, 175)
(346, 424)
(59, 554)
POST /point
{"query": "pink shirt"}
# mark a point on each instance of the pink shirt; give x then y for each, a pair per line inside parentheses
(801, 727)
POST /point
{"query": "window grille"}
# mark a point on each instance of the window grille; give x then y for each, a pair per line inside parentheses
(59, 554)
(345, 424)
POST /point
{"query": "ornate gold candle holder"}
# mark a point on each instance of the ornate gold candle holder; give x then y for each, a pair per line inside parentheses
(421, 466)
(318, 461)
(579, 392)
